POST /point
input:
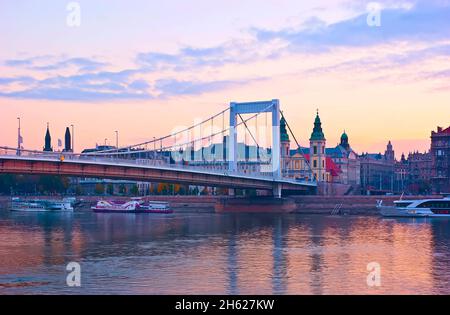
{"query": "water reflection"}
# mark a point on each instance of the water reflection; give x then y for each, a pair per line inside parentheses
(222, 254)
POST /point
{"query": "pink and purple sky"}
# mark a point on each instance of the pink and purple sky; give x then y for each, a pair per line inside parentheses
(146, 67)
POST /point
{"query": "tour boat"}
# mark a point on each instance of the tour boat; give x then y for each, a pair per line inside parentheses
(417, 208)
(40, 205)
(133, 206)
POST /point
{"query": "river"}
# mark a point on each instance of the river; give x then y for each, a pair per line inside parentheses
(207, 253)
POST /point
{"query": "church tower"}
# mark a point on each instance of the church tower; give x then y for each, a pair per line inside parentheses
(285, 145)
(317, 144)
(48, 141)
(344, 141)
(67, 141)
(389, 154)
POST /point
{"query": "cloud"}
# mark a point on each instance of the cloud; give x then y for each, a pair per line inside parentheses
(172, 87)
(421, 22)
(100, 86)
(51, 63)
(186, 58)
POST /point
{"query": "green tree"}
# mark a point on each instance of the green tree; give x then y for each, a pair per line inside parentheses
(134, 190)
(110, 189)
(99, 189)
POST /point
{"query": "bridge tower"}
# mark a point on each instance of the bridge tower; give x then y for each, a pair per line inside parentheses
(272, 107)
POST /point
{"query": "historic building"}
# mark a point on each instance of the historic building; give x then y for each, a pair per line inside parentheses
(413, 174)
(348, 162)
(440, 157)
(308, 163)
(377, 171)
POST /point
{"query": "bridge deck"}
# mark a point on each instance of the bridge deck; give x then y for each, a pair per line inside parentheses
(116, 169)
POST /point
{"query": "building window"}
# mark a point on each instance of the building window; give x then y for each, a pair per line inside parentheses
(315, 149)
(323, 150)
(315, 163)
(323, 163)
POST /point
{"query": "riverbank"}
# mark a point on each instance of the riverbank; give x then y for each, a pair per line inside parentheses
(322, 205)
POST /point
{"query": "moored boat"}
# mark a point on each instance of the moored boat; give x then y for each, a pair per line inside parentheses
(417, 208)
(40, 205)
(133, 206)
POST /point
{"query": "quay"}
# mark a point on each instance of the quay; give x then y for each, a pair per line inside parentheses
(320, 205)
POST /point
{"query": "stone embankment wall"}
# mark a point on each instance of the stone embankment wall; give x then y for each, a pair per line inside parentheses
(353, 205)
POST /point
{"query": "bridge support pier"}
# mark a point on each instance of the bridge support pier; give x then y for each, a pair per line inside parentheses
(276, 190)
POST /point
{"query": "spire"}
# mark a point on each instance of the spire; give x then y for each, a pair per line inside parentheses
(67, 141)
(317, 133)
(48, 140)
(284, 136)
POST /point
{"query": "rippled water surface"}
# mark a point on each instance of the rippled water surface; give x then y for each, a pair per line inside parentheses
(187, 253)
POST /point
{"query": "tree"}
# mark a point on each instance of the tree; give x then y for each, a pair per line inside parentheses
(99, 189)
(134, 190)
(79, 190)
(110, 189)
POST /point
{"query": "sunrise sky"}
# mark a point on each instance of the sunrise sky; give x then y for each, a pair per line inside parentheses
(146, 67)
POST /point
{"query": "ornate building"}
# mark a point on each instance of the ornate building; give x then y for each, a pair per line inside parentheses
(440, 156)
(308, 163)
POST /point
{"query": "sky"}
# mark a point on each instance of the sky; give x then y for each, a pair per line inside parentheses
(378, 70)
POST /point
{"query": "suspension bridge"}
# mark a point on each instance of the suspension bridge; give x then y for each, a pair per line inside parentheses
(237, 148)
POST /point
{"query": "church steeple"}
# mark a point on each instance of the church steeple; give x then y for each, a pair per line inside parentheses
(67, 141)
(48, 141)
(317, 133)
(283, 132)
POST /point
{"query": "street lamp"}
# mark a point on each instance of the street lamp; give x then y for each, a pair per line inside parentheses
(117, 141)
(106, 139)
(19, 138)
(73, 138)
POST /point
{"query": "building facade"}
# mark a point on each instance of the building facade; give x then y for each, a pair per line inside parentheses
(440, 160)
(377, 171)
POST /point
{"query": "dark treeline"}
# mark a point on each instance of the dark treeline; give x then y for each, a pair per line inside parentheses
(33, 184)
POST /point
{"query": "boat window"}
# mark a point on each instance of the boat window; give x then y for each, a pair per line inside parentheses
(403, 204)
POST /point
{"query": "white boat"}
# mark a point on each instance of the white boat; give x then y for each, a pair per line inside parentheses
(134, 206)
(40, 205)
(417, 208)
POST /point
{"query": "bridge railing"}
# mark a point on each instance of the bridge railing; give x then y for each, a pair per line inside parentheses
(151, 163)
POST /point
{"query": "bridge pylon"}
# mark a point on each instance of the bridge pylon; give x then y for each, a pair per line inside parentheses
(273, 107)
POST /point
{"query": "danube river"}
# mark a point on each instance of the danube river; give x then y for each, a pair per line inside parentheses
(205, 253)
